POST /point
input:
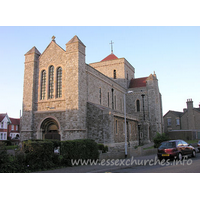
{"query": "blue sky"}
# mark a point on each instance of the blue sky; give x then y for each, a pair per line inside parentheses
(172, 52)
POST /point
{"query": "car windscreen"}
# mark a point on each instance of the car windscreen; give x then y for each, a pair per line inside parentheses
(168, 145)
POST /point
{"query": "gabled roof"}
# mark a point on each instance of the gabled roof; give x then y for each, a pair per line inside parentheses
(2, 115)
(53, 42)
(33, 50)
(110, 57)
(138, 82)
(176, 113)
(15, 121)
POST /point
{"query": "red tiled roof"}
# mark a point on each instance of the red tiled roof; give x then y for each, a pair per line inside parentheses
(110, 57)
(15, 121)
(2, 115)
(138, 82)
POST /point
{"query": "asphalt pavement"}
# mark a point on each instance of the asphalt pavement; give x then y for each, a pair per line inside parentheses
(104, 166)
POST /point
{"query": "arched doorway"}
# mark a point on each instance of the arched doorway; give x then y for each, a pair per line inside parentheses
(50, 129)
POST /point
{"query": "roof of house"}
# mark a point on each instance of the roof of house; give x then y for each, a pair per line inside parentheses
(138, 82)
(2, 115)
(176, 113)
(15, 121)
(110, 57)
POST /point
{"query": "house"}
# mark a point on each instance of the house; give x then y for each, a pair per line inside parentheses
(183, 124)
(4, 121)
(14, 128)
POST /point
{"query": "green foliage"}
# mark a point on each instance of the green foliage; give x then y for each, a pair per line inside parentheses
(39, 155)
(159, 138)
(7, 142)
(79, 149)
(103, 148)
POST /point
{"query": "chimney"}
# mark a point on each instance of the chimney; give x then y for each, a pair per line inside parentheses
(189, 104)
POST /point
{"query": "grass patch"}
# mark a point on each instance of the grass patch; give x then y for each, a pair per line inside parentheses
(11, 147)
(191, 141)
(148, 148)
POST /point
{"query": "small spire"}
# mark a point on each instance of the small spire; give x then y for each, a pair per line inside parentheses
(53, 38)
(112, 47)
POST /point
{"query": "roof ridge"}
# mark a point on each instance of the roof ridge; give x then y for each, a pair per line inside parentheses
(111, 56)
(75, 39)
(33, 50)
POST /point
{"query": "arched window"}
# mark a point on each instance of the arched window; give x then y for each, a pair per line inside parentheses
(51, 81)
(114, 74)
(138, 105)
(43, 85)
(59, 83)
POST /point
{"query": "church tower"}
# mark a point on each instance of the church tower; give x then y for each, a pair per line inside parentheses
(29, 92)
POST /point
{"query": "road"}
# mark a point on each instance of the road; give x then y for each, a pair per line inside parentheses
(190, 165)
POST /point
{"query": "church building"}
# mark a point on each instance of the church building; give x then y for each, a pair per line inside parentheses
(64, 98)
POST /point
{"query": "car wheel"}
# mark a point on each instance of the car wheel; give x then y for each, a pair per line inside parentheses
(193, 153)
(179, 157)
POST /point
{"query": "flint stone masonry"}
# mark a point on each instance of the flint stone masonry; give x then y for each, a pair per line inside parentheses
(92, 101)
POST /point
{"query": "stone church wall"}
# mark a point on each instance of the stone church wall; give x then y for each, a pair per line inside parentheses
(97, 81)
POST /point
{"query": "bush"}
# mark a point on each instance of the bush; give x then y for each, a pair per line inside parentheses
(79, 149)
(7, 142)
(103, 148)
(159, 139)
(38, 154)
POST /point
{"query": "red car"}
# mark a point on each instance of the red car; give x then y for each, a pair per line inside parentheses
(175, 149)
(198, 145)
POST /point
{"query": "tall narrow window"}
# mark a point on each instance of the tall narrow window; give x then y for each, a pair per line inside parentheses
(115, 102)
(114, 74)
(138, 105)
(112, 90)
(108, 99)
(100, 95)
(51, 81)
(43, 85)
(116, 127)
(59, 83)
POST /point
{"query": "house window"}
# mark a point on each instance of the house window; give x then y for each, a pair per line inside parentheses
(59, 82)
(169, 122)
(1, 136)
(114, 74)
(16, 127)
(177, 122)
(51, 81)
(1, 124)
(4, 136)
(12, 127)
(43, 85)
(138, 105)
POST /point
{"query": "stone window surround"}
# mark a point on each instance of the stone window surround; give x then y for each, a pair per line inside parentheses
(47, 83)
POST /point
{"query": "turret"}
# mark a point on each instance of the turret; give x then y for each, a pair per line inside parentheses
(29, 92)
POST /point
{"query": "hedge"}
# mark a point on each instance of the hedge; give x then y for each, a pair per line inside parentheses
(79, 149)
(39, 155)
(159, 138)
